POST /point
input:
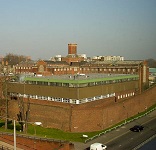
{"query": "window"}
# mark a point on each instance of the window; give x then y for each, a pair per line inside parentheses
(75, 69)
(41, 68)
(129, 70)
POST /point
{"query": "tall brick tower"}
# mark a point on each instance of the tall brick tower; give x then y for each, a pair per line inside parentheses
(72, 49)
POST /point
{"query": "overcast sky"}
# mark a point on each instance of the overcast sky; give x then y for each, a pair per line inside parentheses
(43, 28)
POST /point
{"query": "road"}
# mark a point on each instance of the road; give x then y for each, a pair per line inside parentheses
(123, 138)
(130, 139)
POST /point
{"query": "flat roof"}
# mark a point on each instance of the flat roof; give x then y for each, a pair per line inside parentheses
(80, 78)
(152, 70)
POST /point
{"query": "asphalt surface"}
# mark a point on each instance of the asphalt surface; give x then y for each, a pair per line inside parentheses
(130, 140)
(110, 136)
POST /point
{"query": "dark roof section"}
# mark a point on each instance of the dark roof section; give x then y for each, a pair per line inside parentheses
(114, 63)
(26, 63)
(56, 62)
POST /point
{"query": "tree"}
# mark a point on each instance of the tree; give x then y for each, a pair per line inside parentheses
(23, 115)
(151, 63)
(13, 59)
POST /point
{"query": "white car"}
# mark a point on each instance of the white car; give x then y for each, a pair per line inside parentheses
(98, 146)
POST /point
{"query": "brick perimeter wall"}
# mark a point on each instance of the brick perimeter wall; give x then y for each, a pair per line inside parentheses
(100, 115)
(51, 114)
(92, 116)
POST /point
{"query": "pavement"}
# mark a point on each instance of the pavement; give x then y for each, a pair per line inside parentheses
(6, 146)
(109, 136)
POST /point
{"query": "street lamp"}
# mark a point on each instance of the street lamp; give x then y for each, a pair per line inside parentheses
(35, 123)
(38, 124)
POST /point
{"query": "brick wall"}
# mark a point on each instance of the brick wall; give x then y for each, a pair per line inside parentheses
(32, 143)
(87, 117)
(99, 115)
(51, 114)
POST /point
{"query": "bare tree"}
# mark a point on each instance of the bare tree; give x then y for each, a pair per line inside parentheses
(13, 59)
(151, 63)
(23, 115)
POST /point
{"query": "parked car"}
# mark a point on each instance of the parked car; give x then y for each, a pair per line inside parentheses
(137, 128)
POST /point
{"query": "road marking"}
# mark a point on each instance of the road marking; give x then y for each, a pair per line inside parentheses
(117, 137)
(128, 131)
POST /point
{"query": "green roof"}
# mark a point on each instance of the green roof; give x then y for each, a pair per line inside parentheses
(152, 70)
(77, 81)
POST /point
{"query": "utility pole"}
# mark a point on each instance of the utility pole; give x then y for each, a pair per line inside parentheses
(14, 135)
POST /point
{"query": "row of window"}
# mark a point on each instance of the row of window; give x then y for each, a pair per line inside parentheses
(74, 101)
(126, 95)
(97, 69)
(23, 67)
(88, 69)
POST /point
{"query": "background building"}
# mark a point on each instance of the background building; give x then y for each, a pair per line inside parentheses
(72, 49)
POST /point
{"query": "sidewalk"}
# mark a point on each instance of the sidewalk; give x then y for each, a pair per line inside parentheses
(6, 146)
(115, 133)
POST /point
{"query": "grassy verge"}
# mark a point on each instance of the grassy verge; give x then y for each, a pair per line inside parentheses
(38, 131)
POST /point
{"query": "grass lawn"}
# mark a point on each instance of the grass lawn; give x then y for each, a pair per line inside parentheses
(38, 131)
(58, 134)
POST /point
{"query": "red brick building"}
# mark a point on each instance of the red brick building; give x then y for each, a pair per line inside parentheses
(75, 64)
(81, 104)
